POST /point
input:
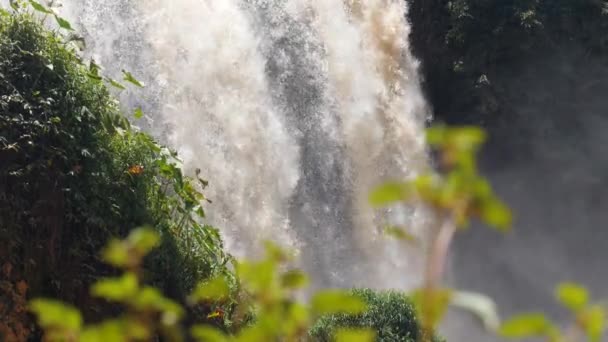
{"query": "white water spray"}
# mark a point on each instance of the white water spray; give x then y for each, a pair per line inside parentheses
(293, 109)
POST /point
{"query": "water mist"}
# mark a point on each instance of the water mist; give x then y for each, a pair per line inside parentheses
(292, 109)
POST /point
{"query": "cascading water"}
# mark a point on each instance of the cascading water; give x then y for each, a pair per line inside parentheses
(293, 109)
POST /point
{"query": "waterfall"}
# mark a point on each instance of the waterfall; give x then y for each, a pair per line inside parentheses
(293, 109)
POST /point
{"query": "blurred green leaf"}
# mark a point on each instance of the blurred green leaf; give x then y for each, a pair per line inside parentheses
(214, 289)
(55, 314)
(294, 279)
(138, 113)
(257, 276)
(431, 305)
(208, 334)
(275, 252)
(143, 240)
(572, 296)
(389, 193)
(466, 138)
(496, 214)
(116, 253)
(355, 335)
(335, 301)
(593, 322)
(113, 330)
(527, 325)
(121, 289)
(436, 135)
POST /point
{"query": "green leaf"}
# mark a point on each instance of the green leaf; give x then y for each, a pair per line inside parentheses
(593, 322)
(436, 135)
(355, 335)
(335, 301)
(113, 330)
(115, 83)
(208, 334)
(144, 240)
(131, 79)
(572, 296)
(214, 289)
(466, 138)
(55, 314)
(294, 279)
(389, 193)
(122, 289)
(480, 305)
(527, 325)
(431, 305)
(64, 24)
(151, 299)
(257, 276)
(399, 234)
(116, 253)
(496, 214)
(39, 7)
(138, 114)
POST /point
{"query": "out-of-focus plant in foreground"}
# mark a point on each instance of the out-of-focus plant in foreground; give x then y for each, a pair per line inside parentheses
(457, 193)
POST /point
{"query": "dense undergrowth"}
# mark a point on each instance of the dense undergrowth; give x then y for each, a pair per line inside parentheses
(73, 172)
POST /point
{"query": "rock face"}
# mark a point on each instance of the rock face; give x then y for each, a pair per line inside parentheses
(540, 92)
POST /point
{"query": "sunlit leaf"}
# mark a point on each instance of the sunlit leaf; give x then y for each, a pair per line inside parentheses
(257, 276)
(355, 335)
(55, 314)
(527, 325)
(389, 193)
(436, 135)
(572, 296)
(431, 305)
(466, 137)
(208, 334)
(335, 301)
(480, 305)
(214, 289)
(593, 322)
(144, 240)
(113, 330)
(496, 214)
(120, 289)
(131, 79)
(116, 253)
(275, 252)
(294, 279)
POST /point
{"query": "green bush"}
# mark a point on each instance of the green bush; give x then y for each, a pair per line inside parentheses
(73, 173)
(391, 314)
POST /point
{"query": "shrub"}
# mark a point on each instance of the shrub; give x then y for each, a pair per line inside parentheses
(391, 314)
(73, 172)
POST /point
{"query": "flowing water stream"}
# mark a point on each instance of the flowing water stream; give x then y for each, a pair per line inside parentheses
(293, 109)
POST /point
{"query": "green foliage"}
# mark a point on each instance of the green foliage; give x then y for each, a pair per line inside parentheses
(589, 318)
(149, 314)
(73, 172)
(391, 315)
